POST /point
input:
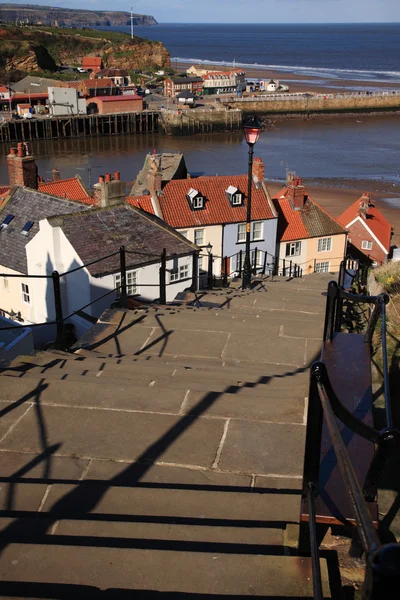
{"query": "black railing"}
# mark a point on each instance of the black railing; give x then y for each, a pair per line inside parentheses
(382, 576)
(120, 290)
(353, 273)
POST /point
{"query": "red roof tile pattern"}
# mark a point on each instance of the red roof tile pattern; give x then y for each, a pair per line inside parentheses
(91, 61)
(218, 210)
(375, 221)
(98, 83)
(4, 190)
(118, 98)
(142, 202)
(72, 189)
(312, 221)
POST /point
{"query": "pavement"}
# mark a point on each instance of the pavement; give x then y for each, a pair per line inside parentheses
(164, 457)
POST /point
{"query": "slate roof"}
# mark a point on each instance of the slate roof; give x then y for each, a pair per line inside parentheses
(375, 221)
(218, 210)
(309, 222)
(112, 72)
(27, 205)
(37, 85)
(171, 166)
(107, 229)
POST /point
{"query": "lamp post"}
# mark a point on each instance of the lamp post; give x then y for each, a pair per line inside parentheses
(252, 128)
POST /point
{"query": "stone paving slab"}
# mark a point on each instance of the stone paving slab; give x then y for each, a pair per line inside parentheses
(288, 409)
(120, 435)
(258, 448)
(9, 418)
(135, 570)
(282, 350)
(31, 465)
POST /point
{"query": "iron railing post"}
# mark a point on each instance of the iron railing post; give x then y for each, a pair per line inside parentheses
(315, 264)
(60, 338)
(163, 271)
(255, 261)
(240, 262)
(265, 263)
(290, 268)
(330, 311)
(225, 271)
(195, 271)
(122, 266)
(276, 266)
(284, 268)
(210, 272)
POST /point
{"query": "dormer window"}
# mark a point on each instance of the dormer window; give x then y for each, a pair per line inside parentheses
(196, 200)
(234, 196)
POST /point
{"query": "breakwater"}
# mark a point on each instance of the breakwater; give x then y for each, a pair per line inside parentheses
(79, 126)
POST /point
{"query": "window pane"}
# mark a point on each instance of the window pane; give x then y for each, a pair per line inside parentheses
(322, 267)
(242, 232)
(324, 244)
(199, 237)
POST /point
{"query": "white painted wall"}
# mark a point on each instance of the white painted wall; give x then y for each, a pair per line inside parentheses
(213, 236)
(65, 101)
(300, 260)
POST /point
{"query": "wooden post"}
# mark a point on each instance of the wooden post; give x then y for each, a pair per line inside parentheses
(195, 271)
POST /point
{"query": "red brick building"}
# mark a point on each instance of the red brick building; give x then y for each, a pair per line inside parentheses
(175, 85)
(98, 87)
(369, 232)
(116, 104)
(92, 63)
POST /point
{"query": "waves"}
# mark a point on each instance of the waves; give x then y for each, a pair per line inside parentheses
(319, 72)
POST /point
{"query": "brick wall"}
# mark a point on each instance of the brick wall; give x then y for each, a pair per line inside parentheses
(22, 169)
(357, 234)
(118, 106)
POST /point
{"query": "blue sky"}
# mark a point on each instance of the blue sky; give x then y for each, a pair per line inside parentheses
(250, 11)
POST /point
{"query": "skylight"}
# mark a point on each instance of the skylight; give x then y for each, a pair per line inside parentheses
(28, 225)
(7, 221)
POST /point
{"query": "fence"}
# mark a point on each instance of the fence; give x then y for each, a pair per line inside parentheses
(382, 561)
(119, 290)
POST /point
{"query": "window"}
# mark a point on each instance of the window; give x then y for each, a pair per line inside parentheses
(257, 230)
(131, 283)
(184, 233)
(241, 237)
(5, 283)
(324, 244)
(236, 262)
(181, 273)
(366, 245)
(259, 258)
(293, 249)
(25, 293)
(27, 227)
(237, 199)
(198, 202)
(199, 237)
(322, 267)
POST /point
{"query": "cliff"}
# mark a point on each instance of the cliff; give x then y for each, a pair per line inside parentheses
(50, 15)
(30, 49)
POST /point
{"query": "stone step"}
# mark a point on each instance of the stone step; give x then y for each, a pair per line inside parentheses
(295, 384)
(273, 405)
(157, 366)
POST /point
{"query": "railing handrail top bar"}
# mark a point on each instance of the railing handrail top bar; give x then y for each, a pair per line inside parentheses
(93, 262)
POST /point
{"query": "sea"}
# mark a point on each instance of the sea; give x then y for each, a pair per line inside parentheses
(356, 148)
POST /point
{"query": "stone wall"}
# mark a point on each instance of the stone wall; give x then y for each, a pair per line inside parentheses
(189, 121)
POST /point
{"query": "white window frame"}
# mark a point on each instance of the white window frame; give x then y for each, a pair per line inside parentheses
(294, 249)
(26, 298)
(322, 267)
(198, 202)
(241, 232)
(259, 258)
(6, 284)
(325, 244)
(366, 245)
(184, 233)
(236, 199)
(181, 272)
(253, 228)
(196, 232)
(132, 285)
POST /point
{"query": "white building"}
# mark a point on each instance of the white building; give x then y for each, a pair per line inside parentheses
(65, 101)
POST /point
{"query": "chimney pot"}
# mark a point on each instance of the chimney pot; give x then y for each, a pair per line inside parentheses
(101, 179)
(296, 193)
(117, 175)
(108, 176)
(13, 151)
(21, 150)
(55, 174)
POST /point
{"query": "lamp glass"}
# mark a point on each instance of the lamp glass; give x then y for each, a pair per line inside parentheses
(252, 129)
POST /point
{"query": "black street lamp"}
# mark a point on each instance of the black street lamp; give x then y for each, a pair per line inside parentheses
(252, 128)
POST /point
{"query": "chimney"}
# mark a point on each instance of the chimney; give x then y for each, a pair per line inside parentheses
(296, 193)
(290, 175)
(22, 169)
(55, 175)
(108, 191)
(258, 169)
(363, 205)
(154, 184)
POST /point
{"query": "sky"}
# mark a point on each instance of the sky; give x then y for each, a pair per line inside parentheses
(247, 11)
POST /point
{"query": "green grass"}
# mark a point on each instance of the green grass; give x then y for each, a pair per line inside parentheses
(112, 36)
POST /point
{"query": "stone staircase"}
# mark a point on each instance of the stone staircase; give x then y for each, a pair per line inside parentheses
(164, 457)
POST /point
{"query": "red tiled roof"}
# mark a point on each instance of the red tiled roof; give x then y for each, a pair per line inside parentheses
(91, 60)
(177, 212)
(295, 229)
(72, 188)
(142, 202)
(98, 83)
(74, 84)
(375, 221)
(313, 221)
(4, 189)
(37, 96)
(117, 98)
